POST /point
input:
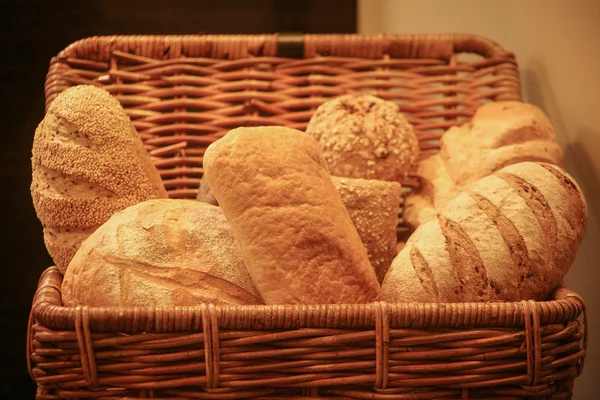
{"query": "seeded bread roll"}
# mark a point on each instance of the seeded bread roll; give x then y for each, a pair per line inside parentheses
(160, 253)
(363, 136)
(499, 134)
(373, 206)
(88, 163)
(509, 236)
(296, 237)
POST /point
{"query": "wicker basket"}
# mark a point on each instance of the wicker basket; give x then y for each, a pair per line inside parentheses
(184, 92)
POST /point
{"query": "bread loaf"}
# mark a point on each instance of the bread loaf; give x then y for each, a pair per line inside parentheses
(373, 206)
(363, 136)
(509, 236)
(160, 253)
(296, 237)
(88, 163)
(499, 134)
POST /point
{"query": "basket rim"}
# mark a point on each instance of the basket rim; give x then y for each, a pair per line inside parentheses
(457, 42)
(47, 309)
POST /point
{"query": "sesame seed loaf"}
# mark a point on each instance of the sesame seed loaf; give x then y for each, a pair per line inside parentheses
(296, 237)
(88, 163)
(162, 252)
(509, 236)
(363, 136)
(499, 134)
(373, 206)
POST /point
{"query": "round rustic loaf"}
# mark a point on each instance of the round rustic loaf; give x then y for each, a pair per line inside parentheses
(88, 163)
(509, 236)
(160, 253)
(363, 136)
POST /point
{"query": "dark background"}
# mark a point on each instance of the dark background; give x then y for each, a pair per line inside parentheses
(34, 31)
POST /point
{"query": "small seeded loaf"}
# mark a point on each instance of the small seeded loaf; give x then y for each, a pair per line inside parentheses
(509, 236)
(373, 206)
(499, 134)
(88, 163)
(296, 237)
(363, 136)
(160, 253)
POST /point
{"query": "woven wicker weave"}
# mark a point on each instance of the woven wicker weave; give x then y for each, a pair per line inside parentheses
(184, 92)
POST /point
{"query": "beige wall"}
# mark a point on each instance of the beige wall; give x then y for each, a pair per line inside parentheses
(557, 44)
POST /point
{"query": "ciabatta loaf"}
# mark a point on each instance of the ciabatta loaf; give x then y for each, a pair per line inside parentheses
(296, 237)
(499, 134)
(160, 253)
(88, 163)
(509, 236)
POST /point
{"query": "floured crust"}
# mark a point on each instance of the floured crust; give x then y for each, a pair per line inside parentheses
(297, 239)
(160, 253)
(401, 284)
(88, 163)
(416, 273)
(489, 269)
(523, 236)
(373, 206)
(509, 236)
(567, 205)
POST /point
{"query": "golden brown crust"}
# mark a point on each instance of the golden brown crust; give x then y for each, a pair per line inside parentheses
(160, 253)
(511, 235)
(363, 136)
(499, 134)
(296, 236)
(373, 206)
(88, 163)
(565, 208)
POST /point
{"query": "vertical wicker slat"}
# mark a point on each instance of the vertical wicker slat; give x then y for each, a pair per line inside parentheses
(184, 92)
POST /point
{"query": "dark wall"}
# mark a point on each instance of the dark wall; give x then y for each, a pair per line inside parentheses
(31, 32)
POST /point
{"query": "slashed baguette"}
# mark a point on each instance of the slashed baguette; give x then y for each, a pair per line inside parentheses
(512, 235)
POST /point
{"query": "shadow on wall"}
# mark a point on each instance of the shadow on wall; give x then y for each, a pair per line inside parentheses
(577, 154)
(579, 160)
